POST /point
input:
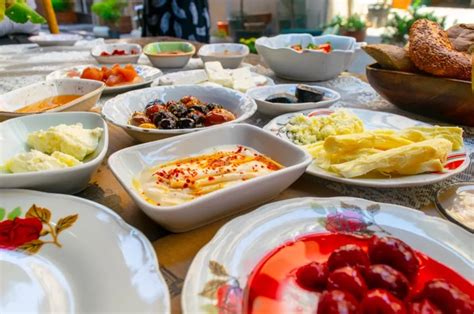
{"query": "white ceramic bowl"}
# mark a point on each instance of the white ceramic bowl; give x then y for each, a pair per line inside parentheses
(68, 180)
(109, 48)
(156, 52)
(229, 55)
(128, 163)
(119, 109)
(46, 40)
(21, 97)
(273, 109)
(308, 65)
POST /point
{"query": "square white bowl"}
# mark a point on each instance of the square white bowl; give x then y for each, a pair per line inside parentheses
(89, 90)
(127, 163)
(232, 61)
(13, 135)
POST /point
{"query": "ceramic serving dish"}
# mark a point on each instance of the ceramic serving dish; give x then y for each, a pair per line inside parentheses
(132, 53)
(273, 109)
(442, 98)
(146, 73)
(199, 76)
(456, 163)
(54, 260)
(218, 277)
(163, 54)
(127, 163)
(68, 180)
(89, 90)
(229, 55)
(45, 40)
(119, 109)
(308, 65)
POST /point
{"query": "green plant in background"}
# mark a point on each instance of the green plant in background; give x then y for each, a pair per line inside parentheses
(399, 25)
(249, 42)
(61, 5)
(18, 11)
(109, 11)
(352, 23)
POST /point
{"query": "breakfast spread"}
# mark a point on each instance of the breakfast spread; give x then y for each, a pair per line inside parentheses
(186, 113)
(358, 265)
(48, 103)
(57, 147)
(334, 273)
(241, 79)
(303, 93)
(113, 76)
(183, 180)
(326, 48)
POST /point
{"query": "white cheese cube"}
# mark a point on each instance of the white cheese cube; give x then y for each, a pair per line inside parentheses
(242, 79)
(217, 74)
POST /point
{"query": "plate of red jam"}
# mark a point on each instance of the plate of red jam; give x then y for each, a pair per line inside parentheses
(331, 273)
(333, 255)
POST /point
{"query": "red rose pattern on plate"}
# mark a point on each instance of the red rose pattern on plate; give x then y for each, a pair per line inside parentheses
(30, 233)
(274, 286)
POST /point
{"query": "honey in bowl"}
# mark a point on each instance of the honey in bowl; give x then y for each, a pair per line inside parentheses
(48, 103)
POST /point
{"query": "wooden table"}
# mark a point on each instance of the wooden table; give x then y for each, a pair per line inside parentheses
(176, 251)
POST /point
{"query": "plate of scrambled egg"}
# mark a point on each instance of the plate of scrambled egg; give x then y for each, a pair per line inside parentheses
(372, 148)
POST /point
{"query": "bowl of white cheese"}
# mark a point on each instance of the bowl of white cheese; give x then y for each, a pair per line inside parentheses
(52, 152)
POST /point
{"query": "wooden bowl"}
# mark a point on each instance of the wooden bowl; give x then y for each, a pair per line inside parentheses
(442, 98)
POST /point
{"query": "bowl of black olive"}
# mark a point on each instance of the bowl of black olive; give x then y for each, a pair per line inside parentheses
(159, 112)
(284, 98)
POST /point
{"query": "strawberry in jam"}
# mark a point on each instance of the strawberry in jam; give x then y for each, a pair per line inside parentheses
(447, 297)
(380, 301)
(385, 277)
(348, 255)
(395, 253)
(336, 302)
(312, 276)
(424, 307)
(348, 279)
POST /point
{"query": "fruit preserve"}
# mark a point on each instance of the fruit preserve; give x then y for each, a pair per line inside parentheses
(339, 273)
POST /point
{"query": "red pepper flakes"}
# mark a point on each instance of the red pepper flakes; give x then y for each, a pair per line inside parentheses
(211, 178)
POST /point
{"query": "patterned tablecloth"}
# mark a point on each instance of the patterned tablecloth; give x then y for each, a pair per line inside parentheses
(176, 251)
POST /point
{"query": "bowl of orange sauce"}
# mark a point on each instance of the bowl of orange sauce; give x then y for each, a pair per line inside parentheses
(51, 96)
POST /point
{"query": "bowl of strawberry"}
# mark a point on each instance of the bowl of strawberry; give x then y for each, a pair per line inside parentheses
(117, 53)
(341, 273)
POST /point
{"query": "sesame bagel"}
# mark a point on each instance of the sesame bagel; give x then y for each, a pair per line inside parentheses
(431, 51)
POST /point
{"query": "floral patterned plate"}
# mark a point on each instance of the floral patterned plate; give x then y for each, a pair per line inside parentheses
(457, 161)
(64, 254)
(218, 275)
(145, 72)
